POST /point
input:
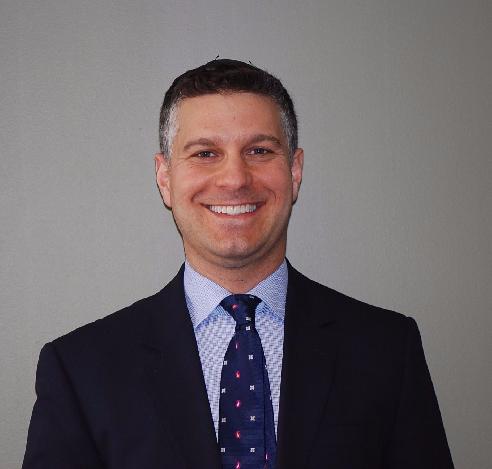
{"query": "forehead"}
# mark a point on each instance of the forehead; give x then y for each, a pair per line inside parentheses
(228, 115)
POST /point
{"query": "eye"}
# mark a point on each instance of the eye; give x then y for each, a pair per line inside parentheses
(205, 154)
(259, 151)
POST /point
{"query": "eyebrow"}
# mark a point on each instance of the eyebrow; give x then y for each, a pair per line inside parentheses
(199, 141)
(268, 138)
(214, 141)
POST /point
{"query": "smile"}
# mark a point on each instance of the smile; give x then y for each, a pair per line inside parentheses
(232, 209)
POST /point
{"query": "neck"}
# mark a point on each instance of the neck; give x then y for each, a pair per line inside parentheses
(237, 278)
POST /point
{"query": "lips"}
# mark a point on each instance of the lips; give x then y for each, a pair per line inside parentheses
(233, 209)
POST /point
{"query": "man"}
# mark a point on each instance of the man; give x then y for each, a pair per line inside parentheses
(240, 361)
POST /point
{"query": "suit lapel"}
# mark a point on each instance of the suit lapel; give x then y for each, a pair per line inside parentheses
(176, 380)
(310, 348)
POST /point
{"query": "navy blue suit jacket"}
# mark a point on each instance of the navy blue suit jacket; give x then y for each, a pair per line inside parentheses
(127, 391)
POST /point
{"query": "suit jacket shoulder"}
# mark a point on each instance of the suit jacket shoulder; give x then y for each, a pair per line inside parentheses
(132, 325)
(327, 304)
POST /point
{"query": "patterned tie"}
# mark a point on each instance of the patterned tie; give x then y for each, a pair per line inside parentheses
(246, 423)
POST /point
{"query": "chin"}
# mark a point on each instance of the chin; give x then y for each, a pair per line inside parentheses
(236, 259)
(237, 252)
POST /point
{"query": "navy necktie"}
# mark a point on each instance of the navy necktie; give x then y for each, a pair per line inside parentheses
(246, 422)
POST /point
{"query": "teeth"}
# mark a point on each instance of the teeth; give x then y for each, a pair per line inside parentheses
(233, 209)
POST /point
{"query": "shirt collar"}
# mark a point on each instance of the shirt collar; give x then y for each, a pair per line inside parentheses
(203, 295)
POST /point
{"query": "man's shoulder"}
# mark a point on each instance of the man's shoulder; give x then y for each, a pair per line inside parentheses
(122, 322)
(126, 326)
(343, 308)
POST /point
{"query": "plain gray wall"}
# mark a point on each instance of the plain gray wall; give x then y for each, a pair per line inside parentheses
(394, 101)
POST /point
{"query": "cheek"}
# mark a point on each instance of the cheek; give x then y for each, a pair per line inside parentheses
(186, 185)
(279, 183)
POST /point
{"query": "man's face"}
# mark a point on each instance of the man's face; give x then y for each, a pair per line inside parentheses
(229, 181)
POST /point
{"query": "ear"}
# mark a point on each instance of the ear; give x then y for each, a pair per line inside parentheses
(296, 170)
(162, 176)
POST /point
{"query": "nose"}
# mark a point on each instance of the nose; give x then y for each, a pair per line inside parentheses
(234, 172)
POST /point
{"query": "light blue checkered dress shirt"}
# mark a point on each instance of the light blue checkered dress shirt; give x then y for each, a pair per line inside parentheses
(214, 328)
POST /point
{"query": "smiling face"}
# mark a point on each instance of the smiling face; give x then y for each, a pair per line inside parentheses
(229, 181)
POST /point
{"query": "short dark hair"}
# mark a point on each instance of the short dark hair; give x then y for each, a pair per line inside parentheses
(223, 76)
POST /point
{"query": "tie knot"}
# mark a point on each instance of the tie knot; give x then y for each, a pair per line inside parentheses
(241, 308)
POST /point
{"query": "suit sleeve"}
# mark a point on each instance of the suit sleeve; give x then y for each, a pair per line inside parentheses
(418, 439)
(58, 436)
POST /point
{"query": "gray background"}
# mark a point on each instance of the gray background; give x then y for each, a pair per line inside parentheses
(394, 100)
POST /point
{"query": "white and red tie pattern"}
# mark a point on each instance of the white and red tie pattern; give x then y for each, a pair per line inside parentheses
(246, 423)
